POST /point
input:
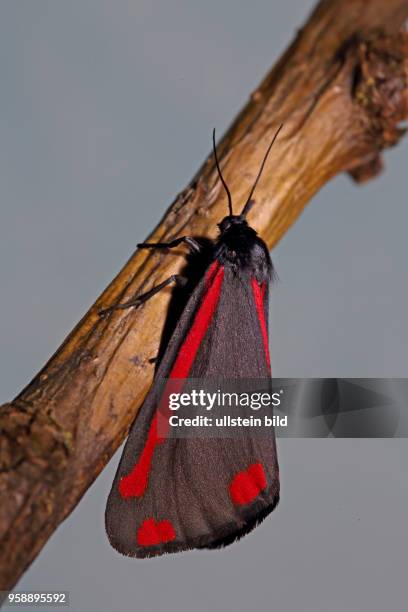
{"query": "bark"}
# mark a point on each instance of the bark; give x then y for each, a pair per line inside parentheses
(340, 89)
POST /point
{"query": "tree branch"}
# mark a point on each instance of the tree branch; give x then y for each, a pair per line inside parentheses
(340, 90)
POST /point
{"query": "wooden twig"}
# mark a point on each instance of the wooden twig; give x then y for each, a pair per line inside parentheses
(340, 90)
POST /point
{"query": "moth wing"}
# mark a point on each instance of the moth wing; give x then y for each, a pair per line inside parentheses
(179, 493)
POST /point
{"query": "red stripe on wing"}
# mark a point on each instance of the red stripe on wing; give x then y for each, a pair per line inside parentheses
(135, 483)
(189, 348)
(259, 297)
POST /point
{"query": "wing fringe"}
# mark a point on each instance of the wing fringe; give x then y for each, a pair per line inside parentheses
(253, 522)
(218, 539)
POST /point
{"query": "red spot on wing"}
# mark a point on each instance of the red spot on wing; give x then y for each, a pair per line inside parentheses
(247, 485)
(135, 483)
(151, 532)
(259, 297)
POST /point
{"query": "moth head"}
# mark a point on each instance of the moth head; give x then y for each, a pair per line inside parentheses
(232, 221)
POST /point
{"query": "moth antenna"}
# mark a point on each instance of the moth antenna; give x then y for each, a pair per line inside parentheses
(249, 202)
(221, 177)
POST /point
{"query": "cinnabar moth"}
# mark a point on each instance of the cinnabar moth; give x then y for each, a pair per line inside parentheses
(174, 494)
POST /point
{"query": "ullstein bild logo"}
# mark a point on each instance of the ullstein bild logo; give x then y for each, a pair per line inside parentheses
(228, 421)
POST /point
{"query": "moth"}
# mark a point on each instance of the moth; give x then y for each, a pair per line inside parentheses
(174, 494)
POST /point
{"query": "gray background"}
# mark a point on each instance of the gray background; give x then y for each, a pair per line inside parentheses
(107, 111)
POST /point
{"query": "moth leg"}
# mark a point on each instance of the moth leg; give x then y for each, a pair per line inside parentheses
(140, 299)
(192, 244)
